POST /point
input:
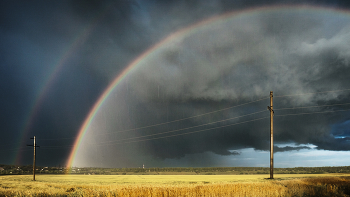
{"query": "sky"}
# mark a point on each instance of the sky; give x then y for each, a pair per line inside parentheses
(175, 83)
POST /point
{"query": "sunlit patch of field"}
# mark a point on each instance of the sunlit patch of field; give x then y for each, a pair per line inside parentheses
(176, 185)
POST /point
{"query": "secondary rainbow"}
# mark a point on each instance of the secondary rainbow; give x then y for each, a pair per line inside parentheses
(68, 52)
(154, 48)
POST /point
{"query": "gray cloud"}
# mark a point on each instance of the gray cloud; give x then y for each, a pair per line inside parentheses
(213, 67)
(227, 63)
(289, 148)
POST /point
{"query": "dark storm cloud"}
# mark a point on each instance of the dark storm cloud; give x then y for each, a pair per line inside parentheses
(36, 35)
(289, 148)
(127, 28)
(107, 35)
(250, 60)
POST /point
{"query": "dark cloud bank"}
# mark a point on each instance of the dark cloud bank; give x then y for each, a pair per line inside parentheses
(219, 66)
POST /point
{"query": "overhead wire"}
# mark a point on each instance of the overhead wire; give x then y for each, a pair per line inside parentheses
(149, 126)
(305, 113)
(9, 143)
(190, 116)
(68, 138)
(314, 106)
(199, 115)
(319, 112)
(154, 125)
(190, 127)
(187, 133)
(55, 147)
(311, 93)
(16, 149)
(163, 123)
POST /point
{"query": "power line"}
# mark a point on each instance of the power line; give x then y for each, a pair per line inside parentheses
(56, 147)
(163, 123)
(112, 142)
(11, 142)
(313, 93)
(216, 111)
(157, 136)
(187, 117)
(167, 132)
(68, 138)
(8, 144)
(149, 126)
(187, 133)
(312, 106)
(313, 113)
(15, 149)
(190, 127)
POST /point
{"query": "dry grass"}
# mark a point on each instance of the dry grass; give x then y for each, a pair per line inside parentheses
(106, 186)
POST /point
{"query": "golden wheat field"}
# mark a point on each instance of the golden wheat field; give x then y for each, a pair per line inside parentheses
(176, 185)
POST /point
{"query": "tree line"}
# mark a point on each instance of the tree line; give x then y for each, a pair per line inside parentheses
(28, 169)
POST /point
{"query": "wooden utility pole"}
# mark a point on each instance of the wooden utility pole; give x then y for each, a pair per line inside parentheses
(34, 145)
(271, 133)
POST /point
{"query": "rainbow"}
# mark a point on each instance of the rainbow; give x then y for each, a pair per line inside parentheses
(79, 39)
(154, 48)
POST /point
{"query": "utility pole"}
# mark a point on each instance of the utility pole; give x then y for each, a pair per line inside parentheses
(34, 145)
(271, 133)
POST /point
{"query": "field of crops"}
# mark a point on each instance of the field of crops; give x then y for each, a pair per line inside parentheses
(176, 185)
